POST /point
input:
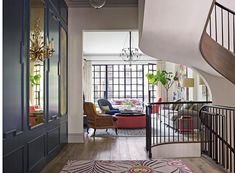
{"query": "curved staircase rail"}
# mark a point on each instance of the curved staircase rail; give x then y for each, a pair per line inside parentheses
(218, 135)
(172, 123)
(218, 41)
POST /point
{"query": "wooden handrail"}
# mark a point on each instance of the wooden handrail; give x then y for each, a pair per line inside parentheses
(224, 8)
(219, 53)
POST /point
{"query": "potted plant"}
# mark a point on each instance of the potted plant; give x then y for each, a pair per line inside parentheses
(35, 79)
(165, 78)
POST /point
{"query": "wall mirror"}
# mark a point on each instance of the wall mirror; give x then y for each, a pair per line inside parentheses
(38, 45)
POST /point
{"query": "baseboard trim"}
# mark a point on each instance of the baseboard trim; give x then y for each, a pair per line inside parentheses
(75, 138)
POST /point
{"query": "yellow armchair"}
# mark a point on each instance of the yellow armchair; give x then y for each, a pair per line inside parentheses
(96, 120)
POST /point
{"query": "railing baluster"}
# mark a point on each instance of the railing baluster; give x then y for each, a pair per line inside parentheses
(228, 32)
(227, 23)
(210, 135)
(154, 124)
(230, 137)
(233, 157)
(216, 36)
(164, 125)
(222, 26)
(174, 126)
(160, 135)
(219, 142)
(223, 142)
(169, 135)
(233, 33)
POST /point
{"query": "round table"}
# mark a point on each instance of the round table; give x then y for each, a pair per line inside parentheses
(130, 120)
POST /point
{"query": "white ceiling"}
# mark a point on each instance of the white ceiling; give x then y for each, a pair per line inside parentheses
(106, 46)
(107, 43)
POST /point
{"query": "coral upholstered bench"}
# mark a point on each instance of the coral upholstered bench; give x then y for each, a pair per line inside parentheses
(130, 120)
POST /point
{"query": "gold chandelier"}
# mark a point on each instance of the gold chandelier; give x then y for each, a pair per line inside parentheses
(39, 51)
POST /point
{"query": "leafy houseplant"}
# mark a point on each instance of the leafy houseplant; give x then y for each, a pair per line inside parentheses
(35, 79)
(165, 78)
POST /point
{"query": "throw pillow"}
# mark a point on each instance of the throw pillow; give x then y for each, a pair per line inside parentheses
(173, 106)
(178, 107)
(188, 106)
(105, 108)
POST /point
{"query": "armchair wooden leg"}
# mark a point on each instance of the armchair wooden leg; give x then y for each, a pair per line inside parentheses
(116, 131)
(94, 132)
(87, 129)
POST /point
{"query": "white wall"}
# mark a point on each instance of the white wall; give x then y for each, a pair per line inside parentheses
(172, 31)
(80, 19)
(221, 90)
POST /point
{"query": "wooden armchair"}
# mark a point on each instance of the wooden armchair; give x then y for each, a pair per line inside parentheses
(96, 120)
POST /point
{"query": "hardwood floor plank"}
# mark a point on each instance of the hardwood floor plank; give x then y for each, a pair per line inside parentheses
(118, 148)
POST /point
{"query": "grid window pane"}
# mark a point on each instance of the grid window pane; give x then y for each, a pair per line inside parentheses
(122, 81)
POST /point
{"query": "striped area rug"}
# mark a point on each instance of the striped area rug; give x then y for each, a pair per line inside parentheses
(128, 166)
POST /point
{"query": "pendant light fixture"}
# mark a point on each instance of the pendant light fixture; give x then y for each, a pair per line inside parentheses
(97, 4)
(130, 54)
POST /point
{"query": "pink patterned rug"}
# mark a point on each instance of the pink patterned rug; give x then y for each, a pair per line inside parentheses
(129, 166)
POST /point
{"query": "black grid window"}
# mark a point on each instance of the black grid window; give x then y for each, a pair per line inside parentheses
(37, 87)
(123, 81)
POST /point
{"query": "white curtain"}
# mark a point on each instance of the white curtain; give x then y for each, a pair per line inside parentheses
(87, 80)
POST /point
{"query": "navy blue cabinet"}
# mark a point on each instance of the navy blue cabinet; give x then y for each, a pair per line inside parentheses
(14, 55)
(27, 149)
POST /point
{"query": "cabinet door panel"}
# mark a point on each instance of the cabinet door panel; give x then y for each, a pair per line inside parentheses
(53, 84)
(12, 67)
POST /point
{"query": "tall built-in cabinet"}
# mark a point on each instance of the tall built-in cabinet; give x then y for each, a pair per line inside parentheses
(35, 120)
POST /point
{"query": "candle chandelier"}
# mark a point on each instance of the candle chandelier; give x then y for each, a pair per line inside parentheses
(130, 54)
(39, 51)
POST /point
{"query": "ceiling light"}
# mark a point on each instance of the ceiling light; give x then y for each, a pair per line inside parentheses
(97, 3)
(130, 54)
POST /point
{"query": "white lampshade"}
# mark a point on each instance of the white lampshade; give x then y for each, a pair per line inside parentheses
(188, 82)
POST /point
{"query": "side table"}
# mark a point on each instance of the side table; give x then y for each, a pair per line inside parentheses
(185, 124)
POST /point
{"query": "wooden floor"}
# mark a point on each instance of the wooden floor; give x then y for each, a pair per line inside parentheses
(117, 148)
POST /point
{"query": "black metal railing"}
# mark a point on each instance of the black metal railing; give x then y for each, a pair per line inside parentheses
(221, 26)
(172, 122)
(218, 134)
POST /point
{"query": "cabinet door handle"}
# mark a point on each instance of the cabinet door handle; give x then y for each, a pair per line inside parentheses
(21, 52)
(59, 68)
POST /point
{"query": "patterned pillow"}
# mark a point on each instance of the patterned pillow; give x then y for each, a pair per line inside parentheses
(175, 106)
(105, 108)
(187, 107)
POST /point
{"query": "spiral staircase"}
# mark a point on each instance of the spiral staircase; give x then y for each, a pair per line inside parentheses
(201, 35)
